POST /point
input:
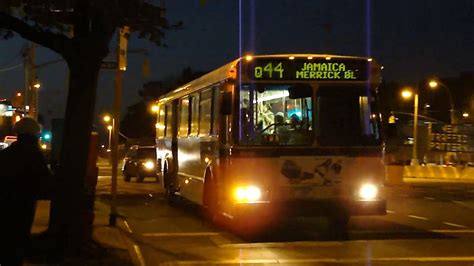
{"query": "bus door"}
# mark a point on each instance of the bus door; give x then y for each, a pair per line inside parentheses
(190, 173)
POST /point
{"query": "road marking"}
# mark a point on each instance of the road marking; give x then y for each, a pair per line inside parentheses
(458, 202)
(282, 244)
(418, 217)
(455, 225)
(319, 260)
(127, 226)
(139, 255)
(429, 198)
(181, 234)
(456, 231)
(390, 211)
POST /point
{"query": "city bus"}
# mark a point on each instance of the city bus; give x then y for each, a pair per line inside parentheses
(267, 137)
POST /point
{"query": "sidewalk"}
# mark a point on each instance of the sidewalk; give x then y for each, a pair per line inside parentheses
(110, 245)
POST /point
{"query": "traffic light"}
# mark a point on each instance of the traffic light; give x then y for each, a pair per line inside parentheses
(46, 136)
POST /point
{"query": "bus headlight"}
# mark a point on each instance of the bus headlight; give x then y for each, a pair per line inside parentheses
(149, 165)
(368, 191)
(247, 194)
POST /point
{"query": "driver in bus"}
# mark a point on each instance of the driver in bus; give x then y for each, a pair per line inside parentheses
(282, 128)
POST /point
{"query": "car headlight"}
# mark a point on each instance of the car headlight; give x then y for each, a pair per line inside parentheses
(149, 165)
(247, 194)
(368, 191)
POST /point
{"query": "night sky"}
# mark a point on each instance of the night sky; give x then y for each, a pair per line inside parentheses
(412, 39)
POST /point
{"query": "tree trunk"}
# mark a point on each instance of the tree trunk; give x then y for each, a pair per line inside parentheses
(67, 210)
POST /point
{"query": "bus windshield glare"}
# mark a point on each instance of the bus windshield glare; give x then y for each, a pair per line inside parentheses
(283, 115)
(346, 117)
(273, 114)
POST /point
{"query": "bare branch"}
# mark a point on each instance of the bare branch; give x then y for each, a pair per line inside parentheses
(56, 42)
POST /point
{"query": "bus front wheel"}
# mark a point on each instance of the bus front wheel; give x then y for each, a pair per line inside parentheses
(171, 197)
(339, 224)
(210, 201)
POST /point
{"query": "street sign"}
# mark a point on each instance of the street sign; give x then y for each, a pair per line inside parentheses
(108, 65)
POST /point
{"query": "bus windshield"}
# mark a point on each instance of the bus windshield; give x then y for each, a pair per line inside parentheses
(282, 115)
(347, 117)
(275, 114)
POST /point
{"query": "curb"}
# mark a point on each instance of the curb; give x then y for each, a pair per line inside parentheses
(123, 230)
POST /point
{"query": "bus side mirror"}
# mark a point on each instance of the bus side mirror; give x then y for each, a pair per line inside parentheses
(226, 104)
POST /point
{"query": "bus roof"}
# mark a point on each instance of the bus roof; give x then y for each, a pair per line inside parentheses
(229, 71)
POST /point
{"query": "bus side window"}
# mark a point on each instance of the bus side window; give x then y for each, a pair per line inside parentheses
(184, 117)
(194, 114)
(167, 121)
(205, 113)
(216, 91)
(160, 129)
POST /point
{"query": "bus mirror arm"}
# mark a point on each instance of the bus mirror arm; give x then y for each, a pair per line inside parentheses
(226, 104)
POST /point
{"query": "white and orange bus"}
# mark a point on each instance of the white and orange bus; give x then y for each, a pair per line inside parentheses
(268, 136)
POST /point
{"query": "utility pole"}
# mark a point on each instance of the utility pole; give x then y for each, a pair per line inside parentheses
(121, 68)
(30, 97)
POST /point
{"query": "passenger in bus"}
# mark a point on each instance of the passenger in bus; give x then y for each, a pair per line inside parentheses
(282, 128)
(265, 118)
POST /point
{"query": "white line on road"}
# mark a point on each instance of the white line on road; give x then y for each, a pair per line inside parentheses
(429, 198)
(458, 202)
(318, 260)
(139, 255)
(285, 244)
(418, 217)
(456, 231)
(127, 226)
(390, 211)
(455, 225)
(181, 234)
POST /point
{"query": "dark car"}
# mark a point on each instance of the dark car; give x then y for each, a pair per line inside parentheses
(140, 162)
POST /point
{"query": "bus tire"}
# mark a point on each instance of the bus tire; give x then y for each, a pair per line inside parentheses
(170, 196)
(210, 206)
(338, 224)
(140, 178)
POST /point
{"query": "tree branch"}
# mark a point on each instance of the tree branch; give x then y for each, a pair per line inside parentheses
(56, 42)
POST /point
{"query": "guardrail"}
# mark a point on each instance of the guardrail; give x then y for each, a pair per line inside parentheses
(396, 173)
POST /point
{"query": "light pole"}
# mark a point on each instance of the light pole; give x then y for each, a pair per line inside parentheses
(434, 84)
(408, 93)
(109, 127)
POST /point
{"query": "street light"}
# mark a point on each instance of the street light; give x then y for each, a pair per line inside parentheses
(434, 84)
(154, 108)
(109, 127)
(407, 94)
(107, 119)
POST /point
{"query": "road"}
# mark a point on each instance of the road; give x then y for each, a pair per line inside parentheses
(426, 224)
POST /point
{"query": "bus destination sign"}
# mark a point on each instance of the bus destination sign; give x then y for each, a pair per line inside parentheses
(342, 69)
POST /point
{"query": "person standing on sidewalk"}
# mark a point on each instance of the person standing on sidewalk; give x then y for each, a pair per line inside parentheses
(23, 173)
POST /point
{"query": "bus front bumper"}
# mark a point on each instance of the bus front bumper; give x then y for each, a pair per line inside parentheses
(311, 208)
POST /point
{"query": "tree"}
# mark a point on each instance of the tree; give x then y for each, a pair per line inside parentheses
(139, 121)
(80, 31)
